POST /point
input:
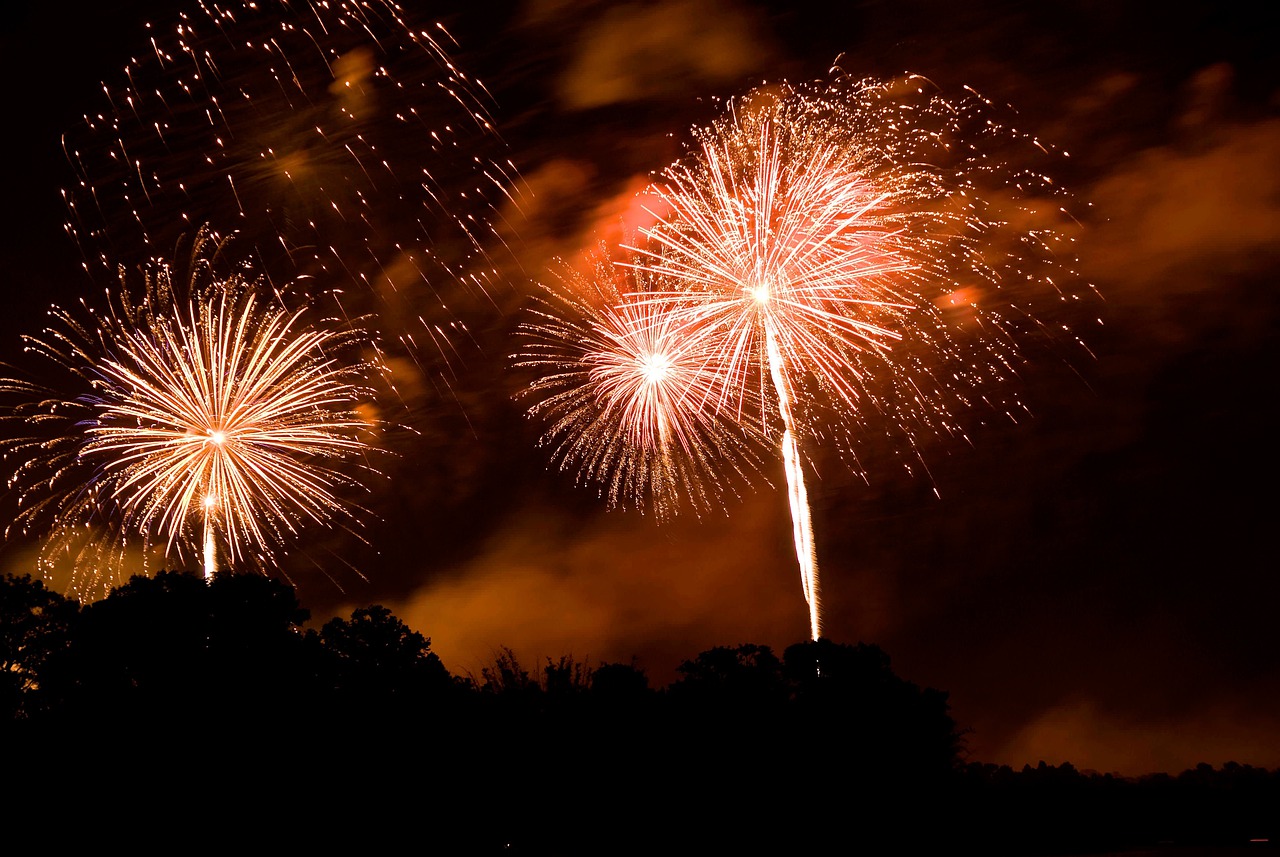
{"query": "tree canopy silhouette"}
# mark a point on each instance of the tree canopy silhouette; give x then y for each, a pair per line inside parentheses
(374, 664)
(216, 694)
(35, 626)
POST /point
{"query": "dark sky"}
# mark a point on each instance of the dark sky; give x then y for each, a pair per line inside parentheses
(1095, 584)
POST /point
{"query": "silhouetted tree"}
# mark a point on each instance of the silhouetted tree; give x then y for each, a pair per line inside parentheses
(619, 684)
(743, 675)
(199, 689)
(850, 695)
(177, 651)
(376, 660)
(35, 625)
(566, 678)
(506, 677)
(622, 710)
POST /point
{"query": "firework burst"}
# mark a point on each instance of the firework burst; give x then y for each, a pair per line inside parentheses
(629, 394)
(208, 423)
(336, 140)
(851, 251)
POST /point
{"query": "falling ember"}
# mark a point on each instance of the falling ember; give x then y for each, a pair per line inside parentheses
(813, 240)
(205, 421)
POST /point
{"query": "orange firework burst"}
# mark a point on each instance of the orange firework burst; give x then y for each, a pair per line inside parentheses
(630, 395)
(812, 236)
(208, 423)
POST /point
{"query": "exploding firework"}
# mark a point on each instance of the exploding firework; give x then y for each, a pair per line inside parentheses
(336, 140)
(629, 395)
(207, 423)
(848, 251)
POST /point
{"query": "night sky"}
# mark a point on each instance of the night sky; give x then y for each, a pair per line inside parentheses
(1095, 583)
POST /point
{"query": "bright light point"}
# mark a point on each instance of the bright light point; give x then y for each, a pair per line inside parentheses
(210, 501)
(760, 293)
(655, 368)
(217, 437)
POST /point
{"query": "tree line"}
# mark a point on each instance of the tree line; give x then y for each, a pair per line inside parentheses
(176, 696)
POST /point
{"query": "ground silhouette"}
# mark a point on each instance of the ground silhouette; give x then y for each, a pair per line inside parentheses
(178, 708)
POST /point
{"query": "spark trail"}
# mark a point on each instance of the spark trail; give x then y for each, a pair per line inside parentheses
(336, 140)
(845, 247)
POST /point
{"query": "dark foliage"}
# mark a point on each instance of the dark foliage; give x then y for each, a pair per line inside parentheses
(178, 654)
(1050, 809)
(176, 708)
(374, 662)
(35, 627)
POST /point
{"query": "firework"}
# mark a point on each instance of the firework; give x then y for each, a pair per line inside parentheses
(629, 394)
(207, 423)
(336, 140)
(843, 249)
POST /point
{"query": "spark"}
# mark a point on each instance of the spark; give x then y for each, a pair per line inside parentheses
(811, 236)
(207, 422)
(629, 395)
(260, 118)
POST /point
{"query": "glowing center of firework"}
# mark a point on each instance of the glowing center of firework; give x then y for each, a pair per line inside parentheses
(210, 500)
(217, 437)
(760, 293)
(655, 368)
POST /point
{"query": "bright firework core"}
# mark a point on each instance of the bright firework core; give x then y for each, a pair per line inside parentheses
(655, 367)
